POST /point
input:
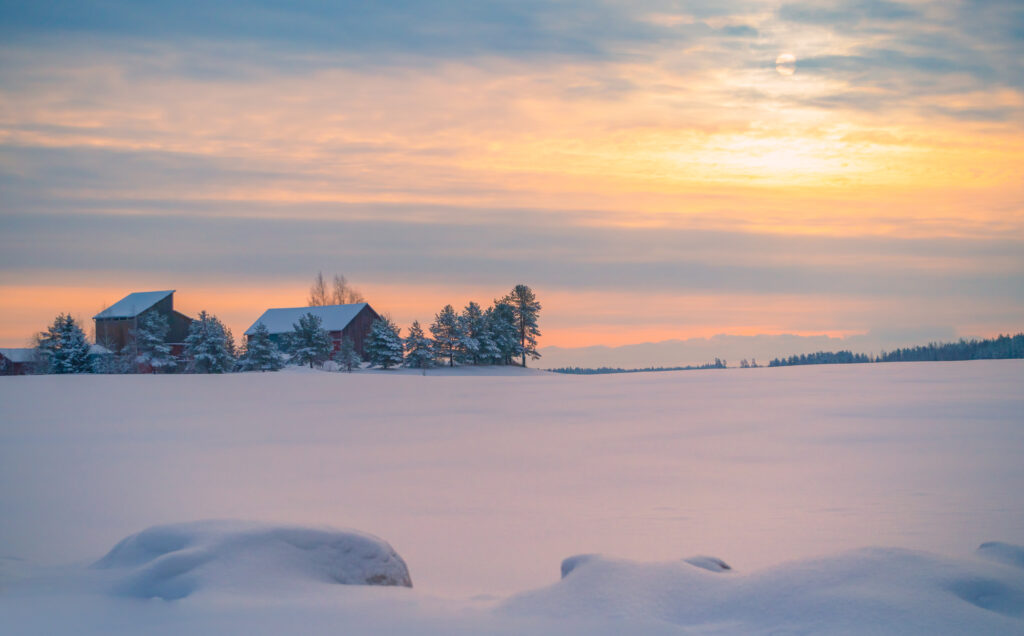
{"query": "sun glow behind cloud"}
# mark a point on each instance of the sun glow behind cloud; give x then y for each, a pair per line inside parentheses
(639, 118)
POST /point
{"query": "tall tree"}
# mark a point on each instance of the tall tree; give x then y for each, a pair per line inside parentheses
(347, 357)
(419, 350)
(209, 345)
(342, 293)
(384, 345)
(309, 343)
(150, 342)
(447, 334)
(63, 348)
(318, 296)
(503, 332)
(527, 309)
(472, 330)
(260, 352)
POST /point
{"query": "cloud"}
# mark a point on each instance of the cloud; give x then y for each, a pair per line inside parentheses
(367, 30)
(487, 251)
(847, 14)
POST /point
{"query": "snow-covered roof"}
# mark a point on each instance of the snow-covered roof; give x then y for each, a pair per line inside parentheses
(18, 355)
(134, 304)
(332, 317)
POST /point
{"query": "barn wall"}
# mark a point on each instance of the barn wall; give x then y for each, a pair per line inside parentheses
(357, 330)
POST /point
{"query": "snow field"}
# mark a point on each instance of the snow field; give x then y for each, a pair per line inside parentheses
(484, 484)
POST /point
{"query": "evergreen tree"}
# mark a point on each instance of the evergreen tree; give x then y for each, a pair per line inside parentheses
(502, 333)
(524, 304)
(447, 334)
(347, 357)
(309, 343)
(260, 352)
(150, 346)
(472, 331)
(209, 345)
(384, 344)
(63, 348)
(419, 350)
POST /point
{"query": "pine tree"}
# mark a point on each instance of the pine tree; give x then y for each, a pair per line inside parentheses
(419, 350)
(309, 343)
(524, 304)
(150, 346)
(209, 346)
(384, 344)
(260, 352)
(472, 330)
(502, 333)
(347, 357)
(63, 348)
(447, 334)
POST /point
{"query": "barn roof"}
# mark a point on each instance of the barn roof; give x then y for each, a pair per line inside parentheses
(18, 355)
(134, 304)
(332, 317)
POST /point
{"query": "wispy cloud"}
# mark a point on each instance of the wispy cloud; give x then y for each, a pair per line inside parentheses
(633, 145)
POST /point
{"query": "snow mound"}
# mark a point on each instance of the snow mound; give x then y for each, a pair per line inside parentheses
(868, 591)
(1003, 552)
(175, 561)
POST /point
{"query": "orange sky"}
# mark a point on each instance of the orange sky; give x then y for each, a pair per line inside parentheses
(648, 171)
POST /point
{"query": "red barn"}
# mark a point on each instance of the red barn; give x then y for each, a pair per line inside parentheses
(16, 361)
(116, 325)
(341, 321)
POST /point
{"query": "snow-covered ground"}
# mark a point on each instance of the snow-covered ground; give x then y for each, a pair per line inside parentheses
(484, 483)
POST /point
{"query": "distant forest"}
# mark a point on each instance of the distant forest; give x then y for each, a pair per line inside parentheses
(990, 349)
(1001, 347)
(717, 364)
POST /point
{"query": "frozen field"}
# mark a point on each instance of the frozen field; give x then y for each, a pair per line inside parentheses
(484, 483)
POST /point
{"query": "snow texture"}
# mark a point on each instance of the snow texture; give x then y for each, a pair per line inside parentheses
(175, 561)
(486, 483)
(866, 591)
(134, 304)
(332, 317)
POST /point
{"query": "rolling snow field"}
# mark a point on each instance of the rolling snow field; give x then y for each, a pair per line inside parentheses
(844, 499)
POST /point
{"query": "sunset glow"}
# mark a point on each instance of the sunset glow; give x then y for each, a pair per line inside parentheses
(672, 160)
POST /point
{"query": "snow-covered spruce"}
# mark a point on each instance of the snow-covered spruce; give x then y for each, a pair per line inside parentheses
(63, 348)
(384, 346)
(178, 560)
(261, 354)
(209, 345)
(419, 350)
(309, 343)
(150, 345)
(347, 357)
(447, 335)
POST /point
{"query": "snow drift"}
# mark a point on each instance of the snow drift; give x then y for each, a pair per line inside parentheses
(174, 561)
(867, 591)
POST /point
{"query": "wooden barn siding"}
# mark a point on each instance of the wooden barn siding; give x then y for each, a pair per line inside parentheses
(9, 367)
(357, 330)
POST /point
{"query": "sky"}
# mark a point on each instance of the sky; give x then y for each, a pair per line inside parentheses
(647, 167)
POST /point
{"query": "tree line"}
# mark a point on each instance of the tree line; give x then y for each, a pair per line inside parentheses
(1000, 347)
(717, 364)
(498, 335)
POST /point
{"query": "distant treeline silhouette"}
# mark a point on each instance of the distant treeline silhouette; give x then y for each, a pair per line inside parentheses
(1001, 347)
(717, 364)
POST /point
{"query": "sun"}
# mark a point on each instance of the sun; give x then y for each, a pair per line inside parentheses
(785, 64)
